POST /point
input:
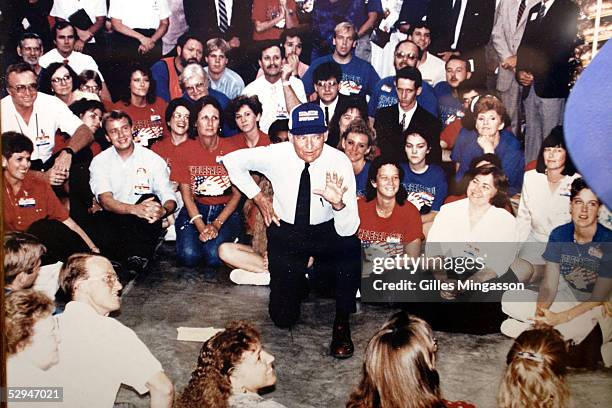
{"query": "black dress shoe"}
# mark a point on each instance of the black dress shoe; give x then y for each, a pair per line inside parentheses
(341, 345)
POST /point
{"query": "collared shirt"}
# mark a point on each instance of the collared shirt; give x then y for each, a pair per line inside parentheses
(230, 84)
(34, 201)
(144, 172)
(105, 354)
(493, 239)
(331, 108)
(49, 114)
(143, 14)
(281, 165)
(459, 23)
(409, 115)
(385, 94)
(78, 61)
(272, 98)
(65, 8)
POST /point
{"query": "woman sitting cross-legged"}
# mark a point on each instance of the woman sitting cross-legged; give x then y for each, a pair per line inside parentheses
(231, 369)
(574, 295)
(209, 217)
(399, 368)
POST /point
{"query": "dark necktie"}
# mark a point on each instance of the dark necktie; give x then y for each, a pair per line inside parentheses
(302, 207)
(403, 122)
(542, 12)
(65, 61)
(521, 10)
(223, 23)
(326, 115)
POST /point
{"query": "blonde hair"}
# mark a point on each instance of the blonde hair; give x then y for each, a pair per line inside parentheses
(21, 253)
(23, 309)
(534, 377)
(344, 27)
(399, 367)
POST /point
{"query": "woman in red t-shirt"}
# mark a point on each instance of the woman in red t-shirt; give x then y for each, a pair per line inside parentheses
(209, 215)
(404, 346)
(145, 109)
(390, 225)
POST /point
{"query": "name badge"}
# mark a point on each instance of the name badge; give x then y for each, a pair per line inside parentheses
(42, 140)
(27, 202)
(142, 182)
(595, 251)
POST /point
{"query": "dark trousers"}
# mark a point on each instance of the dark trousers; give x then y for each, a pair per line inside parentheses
(289, 248)
(60, 241)
(120, 236)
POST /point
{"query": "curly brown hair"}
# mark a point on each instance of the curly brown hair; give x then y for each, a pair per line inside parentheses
(210, 384)
(534, 377)
(23, 309)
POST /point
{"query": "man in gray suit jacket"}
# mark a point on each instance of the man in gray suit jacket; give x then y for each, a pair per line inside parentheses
(506, 38)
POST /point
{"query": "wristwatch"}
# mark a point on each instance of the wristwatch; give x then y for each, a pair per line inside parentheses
(68, 150)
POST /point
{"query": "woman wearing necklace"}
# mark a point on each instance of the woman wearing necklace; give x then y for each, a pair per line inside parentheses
(577, 282)
(209, 215)
(356, 142)
(390, 225)
(544, 202)
(145, 109)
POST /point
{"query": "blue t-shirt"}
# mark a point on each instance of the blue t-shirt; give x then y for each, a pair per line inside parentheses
(448, 105)
(361, 180)
(385, 94)
(508, 150)
(358, 77)
(160, 76)
(427, 191)
(326, 15)
(595, 256)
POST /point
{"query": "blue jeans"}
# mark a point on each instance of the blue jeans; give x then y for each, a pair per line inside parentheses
(190, 250)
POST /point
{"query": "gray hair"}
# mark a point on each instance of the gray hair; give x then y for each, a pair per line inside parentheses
(193, 70)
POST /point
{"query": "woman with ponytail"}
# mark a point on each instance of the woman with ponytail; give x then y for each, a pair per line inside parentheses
(534, 377)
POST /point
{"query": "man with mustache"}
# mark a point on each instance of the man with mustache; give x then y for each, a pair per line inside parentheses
(277, 90)
(166, 71)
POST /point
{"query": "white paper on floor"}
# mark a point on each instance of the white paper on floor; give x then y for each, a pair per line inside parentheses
(200, 334)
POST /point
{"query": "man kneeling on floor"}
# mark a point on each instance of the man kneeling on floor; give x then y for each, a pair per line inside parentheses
(313, 213)
(98, 353)
(132, 184)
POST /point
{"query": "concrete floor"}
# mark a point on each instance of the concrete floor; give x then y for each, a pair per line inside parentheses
(169, 296)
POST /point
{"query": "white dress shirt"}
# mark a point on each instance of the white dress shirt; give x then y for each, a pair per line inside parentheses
(272, 98)
(409, 115)
(144, 172)
(97, 355)
(78, 61)
(143, 14)
(281, 165)
(331, 108)
(65, 8)
(48, 115)
(492, 239)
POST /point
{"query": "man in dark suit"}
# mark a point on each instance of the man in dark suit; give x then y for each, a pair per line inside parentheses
(543, 68)
(205, 20)
(394, 122)
(462, 27)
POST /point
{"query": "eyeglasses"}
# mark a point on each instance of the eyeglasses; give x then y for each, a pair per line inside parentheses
(90, 88)
(22, 89)
(63, 79)
(403, 55)
(199, 87)
(327, 84)
(109, 279)
(179, 116)
(31, 49)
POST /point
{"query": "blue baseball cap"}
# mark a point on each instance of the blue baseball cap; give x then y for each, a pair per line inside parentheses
(307, 118)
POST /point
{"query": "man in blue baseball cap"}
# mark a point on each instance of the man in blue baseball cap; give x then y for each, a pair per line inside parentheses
(314, 213)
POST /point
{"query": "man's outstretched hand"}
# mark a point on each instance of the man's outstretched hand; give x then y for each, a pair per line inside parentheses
(267, 210)
(334, 190)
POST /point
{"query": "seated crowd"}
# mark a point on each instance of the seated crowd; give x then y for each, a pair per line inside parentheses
(298, 177)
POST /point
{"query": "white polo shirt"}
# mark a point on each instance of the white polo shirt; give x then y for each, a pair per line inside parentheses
(143, 14)
(78, 61)
(49, 114)
(272, 98)
(65, 8)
